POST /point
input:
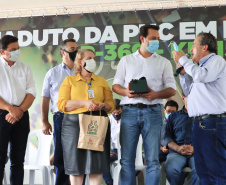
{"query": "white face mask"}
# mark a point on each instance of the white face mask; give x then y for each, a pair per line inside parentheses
(90, 65)
(15, 55)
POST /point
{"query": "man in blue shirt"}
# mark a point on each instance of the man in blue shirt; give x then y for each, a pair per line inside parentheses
(51, 85)
(170, 107)
(178, 140)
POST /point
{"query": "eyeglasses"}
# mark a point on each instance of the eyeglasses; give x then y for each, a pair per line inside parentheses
(72, 49)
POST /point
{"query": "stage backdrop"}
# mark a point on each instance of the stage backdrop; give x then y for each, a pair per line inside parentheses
(111, 36)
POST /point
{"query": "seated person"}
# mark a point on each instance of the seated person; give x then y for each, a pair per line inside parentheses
(178, 139)
(115, 120)
(170, 106)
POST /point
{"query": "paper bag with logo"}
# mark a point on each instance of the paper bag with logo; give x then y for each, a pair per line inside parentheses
(93, 130)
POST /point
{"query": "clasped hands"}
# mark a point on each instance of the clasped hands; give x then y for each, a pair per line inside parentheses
(14, 115)
(92, 106)
(185, 150)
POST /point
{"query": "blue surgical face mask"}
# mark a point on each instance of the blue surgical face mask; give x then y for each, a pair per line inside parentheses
(15, 55)
(167, 115)
(153, 46)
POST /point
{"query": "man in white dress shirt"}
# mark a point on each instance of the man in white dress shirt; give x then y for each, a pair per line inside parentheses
(142, 113)
(17, 93)
(207, 106)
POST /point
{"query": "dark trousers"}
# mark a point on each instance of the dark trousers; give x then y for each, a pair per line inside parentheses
(58, 160)
(209, 141)
(107, 175)
(16, 134)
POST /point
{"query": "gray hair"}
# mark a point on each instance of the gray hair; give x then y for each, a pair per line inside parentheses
(63, 44)
(210, 40)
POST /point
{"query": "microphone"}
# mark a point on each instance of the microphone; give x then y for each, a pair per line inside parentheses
(177, 72)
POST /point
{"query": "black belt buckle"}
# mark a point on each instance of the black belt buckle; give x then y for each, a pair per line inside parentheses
(141, 105)
(196, 118)
(138, 105)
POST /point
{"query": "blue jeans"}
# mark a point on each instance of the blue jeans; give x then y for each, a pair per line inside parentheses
(175, 162)
(58, 161)
(209, 140)
(107, 175)
(136, 121)
(16, 134)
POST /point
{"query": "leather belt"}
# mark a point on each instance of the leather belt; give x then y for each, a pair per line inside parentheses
(209, 116)
(58, 113)
(141, 105)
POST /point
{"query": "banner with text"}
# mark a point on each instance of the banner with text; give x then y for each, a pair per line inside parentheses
(110, 35)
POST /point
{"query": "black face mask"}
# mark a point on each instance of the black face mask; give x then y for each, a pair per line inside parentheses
(117, 117)
(72, 54)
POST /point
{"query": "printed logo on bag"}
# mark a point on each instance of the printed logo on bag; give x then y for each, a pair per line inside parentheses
(92, 128)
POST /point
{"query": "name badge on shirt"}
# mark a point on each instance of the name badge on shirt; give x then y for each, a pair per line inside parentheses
(91, 93)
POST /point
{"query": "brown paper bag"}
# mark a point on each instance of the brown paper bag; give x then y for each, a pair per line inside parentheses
(93, 130)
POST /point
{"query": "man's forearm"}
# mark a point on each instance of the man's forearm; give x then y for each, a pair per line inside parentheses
(4, 105)
(167, 93)
(27, 102)
(119, 89)
(173, 146)
(45, 109)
